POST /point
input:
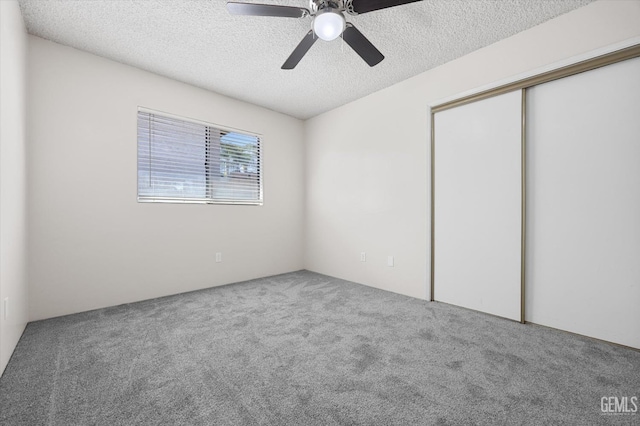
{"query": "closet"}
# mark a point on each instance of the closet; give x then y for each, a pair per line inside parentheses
(536, 199)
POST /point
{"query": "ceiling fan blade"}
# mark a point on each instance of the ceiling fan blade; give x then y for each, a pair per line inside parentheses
(253, 9)
(364, 6)
(300, 51)
(362, 45)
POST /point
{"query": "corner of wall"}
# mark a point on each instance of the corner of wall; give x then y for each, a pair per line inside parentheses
(13, 230)
(365, 194)
(88, 253)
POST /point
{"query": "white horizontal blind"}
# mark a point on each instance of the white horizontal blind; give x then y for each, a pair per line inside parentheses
(185, 161)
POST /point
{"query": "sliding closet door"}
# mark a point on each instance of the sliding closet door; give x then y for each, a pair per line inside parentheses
(477, 205)
(583, 219)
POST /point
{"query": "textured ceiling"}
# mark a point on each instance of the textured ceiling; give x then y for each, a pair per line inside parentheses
(200, 43)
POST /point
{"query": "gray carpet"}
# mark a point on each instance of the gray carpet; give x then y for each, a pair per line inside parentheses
(307, 349)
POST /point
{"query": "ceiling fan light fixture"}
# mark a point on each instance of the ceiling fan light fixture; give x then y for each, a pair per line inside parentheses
(328, 24)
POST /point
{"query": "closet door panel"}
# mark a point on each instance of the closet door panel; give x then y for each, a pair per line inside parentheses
(477, 209)
(583, 202)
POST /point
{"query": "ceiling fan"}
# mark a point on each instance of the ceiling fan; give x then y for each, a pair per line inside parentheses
(329, 23)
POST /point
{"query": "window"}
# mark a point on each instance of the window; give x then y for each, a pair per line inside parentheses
(181, 160)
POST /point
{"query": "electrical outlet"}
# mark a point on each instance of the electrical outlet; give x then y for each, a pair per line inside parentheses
(389, 260)
(218, 257)
(5, 307)
(363, 257)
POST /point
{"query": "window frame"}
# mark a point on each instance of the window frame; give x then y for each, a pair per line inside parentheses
(206, 166)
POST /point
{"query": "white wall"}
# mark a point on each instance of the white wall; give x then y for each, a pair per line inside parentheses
(91, 243)
(368, 162)
(13, 231)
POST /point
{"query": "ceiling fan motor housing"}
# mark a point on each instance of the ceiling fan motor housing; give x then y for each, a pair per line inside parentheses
(337, 5)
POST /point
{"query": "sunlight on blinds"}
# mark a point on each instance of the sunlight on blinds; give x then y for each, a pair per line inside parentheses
(185, 161)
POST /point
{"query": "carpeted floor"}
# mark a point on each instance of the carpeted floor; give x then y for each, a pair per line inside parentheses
(307, 349)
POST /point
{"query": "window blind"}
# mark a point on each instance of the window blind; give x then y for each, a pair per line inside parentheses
(186, 161)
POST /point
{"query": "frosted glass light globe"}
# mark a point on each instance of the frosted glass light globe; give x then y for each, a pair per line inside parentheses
(329, 25)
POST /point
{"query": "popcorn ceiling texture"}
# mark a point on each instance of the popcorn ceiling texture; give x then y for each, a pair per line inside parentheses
(198, 42)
